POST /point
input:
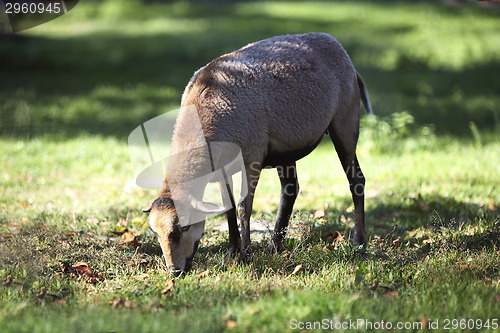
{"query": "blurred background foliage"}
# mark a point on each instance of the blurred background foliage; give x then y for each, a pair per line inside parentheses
(107, 66)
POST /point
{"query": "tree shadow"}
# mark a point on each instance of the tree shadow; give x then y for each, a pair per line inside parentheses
(53, 86)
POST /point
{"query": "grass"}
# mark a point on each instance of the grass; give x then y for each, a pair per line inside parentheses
(74, 88)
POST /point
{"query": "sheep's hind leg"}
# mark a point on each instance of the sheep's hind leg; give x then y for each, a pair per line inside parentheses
(289, 192)
(345, 145)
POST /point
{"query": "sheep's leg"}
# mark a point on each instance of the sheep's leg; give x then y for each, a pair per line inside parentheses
(345, 138)
(245, 208)
(289, 192)
(228, 200)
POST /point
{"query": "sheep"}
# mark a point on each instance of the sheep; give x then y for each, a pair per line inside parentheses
(274, 99)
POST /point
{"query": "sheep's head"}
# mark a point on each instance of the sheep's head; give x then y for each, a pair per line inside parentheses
(178, 234)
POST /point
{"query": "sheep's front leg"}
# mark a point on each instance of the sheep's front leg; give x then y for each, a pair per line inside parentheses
(245, 209)
(228, 200)
(289, 192)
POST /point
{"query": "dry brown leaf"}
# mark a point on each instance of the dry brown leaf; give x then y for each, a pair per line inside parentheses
(81, 270)
(82, 267)
(319, 214)
(23, 204)
(58, 302)
(230, 324)
(335, 239)
(296, 270)
(203, 274)
(424, 322)
(168, 287)
(392, 294)
(463, 266)
(128, 238)
(119, 302)
(491, 205)
(25, 219)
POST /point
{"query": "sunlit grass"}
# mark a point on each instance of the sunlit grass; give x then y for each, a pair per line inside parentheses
(74, 88)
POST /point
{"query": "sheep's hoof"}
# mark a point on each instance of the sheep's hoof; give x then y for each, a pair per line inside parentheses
(359, 239)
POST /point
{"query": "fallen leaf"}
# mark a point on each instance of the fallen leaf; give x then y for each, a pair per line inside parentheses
(337, 238)
(296, 270)
(424, 322)
(319, 214)
(491, 205)
(23, 204)
(25, 219)
(59, 302)
(463, 266)
(230, 324)
(82, 267)
(119, 302)
(81, 270)
(8, 236)
(392, 294)
(128, 238)
(168, 287)
(203, 274)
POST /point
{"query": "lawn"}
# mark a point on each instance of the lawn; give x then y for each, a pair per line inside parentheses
(75, 250)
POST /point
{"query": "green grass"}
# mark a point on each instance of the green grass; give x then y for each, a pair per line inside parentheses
(72, 90)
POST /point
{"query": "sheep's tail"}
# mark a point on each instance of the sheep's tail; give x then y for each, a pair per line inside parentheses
(364, 94)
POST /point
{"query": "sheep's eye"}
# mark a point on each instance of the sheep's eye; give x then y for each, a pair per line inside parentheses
(186, 228)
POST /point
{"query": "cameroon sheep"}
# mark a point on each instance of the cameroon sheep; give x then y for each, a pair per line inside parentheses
(274, 99)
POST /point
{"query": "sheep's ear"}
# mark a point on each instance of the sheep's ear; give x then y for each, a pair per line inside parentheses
(207, 207)
(147, 208)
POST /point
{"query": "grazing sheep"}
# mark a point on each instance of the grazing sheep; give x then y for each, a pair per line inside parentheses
(274, 99)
